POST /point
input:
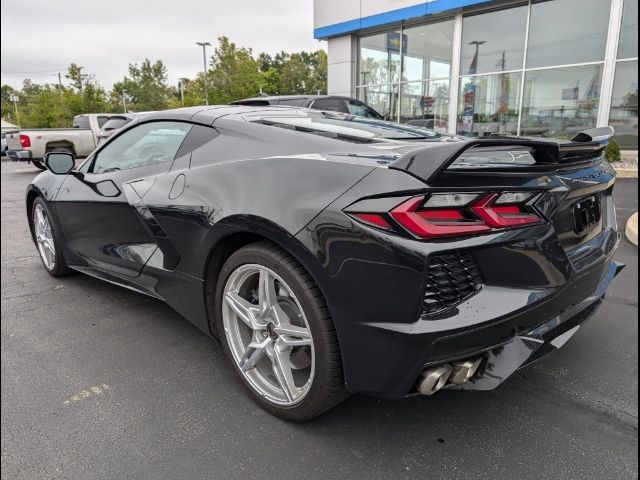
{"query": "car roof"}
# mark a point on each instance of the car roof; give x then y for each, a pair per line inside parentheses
(269, 98)
(208, 114)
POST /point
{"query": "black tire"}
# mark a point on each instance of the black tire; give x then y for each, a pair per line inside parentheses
(328, 388)
(60, 268)
(38, 164)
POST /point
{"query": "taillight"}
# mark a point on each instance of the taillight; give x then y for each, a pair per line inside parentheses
(502, 216)
(427, 223)
(373, 219)
(455, 214)
(25, 141)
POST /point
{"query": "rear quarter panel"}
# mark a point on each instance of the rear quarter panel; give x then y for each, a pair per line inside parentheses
(275, 197)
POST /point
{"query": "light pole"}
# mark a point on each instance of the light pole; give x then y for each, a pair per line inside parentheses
(124, 96)
(204, 46)
(15, 99)
(472, 71)
(181, 87)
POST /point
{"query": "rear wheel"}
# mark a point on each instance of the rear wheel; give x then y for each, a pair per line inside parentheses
(48, 242)
(38, 164)
(275, 327)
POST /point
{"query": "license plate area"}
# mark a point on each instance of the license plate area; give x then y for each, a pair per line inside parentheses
(587, 214)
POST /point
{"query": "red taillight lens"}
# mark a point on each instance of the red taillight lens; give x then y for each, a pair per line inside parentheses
(455, 214)
(434, 223)
(502, 216)
(372, 219)
(25, 141)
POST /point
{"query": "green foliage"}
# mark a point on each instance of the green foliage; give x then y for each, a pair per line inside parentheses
(234, 73)
(146, 86)
(612, 151)
(294, 74)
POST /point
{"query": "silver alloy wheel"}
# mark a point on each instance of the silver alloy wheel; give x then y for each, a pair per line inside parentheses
(268, 334)
(44, 237)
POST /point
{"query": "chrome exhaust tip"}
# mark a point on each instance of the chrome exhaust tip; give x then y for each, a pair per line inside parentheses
(434, 379)
(463, 370)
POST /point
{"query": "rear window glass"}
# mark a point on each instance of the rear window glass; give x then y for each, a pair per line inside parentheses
(81, 121)
(494, 157)
(115, 123)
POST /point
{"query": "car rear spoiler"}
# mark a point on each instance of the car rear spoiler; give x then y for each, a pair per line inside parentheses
(429, 162)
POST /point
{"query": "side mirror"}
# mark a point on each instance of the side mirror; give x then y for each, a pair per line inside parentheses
(59, 163)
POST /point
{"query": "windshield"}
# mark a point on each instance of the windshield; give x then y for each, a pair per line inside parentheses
(349, 127)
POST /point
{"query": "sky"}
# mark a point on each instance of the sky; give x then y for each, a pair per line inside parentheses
(40, 38)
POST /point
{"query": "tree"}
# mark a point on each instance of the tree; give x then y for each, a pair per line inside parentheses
(146, 86)
(85, 96)
(78, 79)
(234, 73)
(8, 110)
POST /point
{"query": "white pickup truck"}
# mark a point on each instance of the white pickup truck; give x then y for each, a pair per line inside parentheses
(31, 145)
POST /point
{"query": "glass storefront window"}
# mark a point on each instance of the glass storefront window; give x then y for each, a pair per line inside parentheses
(382, 98)
(624, 105)
(561, 102)
(567, 32)
(628, 47)
(427, 51)
(499, 38)
(379, 60)
(488, 105)
(426, 104)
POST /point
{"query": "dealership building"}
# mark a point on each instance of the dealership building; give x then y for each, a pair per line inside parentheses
(474, 67)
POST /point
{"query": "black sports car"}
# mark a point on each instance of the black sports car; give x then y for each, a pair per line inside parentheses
(331, 253)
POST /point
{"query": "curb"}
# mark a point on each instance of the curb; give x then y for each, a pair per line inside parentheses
(626, 172)
(632, 229)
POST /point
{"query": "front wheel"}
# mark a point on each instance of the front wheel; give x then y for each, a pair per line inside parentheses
(276, 329)
(47, 239)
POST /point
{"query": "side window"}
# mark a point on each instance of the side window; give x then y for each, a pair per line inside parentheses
(102, 120)
(361, 110)
(146, 144)
(198, 136)
(331, 105)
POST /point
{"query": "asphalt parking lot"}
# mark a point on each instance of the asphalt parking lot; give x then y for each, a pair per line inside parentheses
(101, 382)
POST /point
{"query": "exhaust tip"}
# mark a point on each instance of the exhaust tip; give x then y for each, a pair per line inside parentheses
(463, 370)
(434, 379)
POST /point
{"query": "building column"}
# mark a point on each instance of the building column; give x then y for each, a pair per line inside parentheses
(610, 57)
(454, 86)
(342, 66)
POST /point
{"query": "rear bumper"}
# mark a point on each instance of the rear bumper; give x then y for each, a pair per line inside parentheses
(506, 344)
(501, 362)
(19, 155)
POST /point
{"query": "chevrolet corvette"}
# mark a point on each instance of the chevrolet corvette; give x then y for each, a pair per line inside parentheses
(332, 254)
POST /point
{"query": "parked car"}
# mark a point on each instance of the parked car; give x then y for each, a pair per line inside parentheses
(113, 124)
(332, 254)
(330, 103)
(3, 144)
(31, 145)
